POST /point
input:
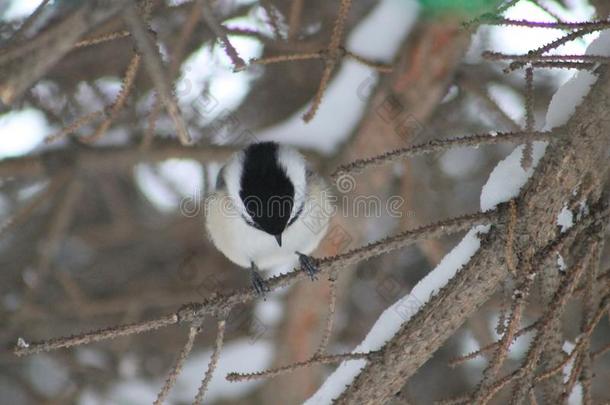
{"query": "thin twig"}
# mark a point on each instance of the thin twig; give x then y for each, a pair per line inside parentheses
(380, 67)
(26, 210)
(187, 31)
(546, 10)
(528, 150)
(332, 304)
(478, 89)
(327, 359)
(271, 12)
(294, 18)
(551, 45)
(545, 58)
(99, 39)
(591, 25)
(17, 36)
(154, 64)
(60, 221)
(224, 302)
(213, 363)
(490, 347)
(524, 375)
(73, 127)
(510, 238)
(177, 368)
(287, 58)
(219, 31)
(25, 348)
(334, 53)
(600, 352)
(486, 386)
(317, 99)
(562, 65)
(339, 27)
(120, 100)
(359, 165)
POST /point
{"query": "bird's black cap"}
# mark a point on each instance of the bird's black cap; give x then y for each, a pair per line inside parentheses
(265, 189)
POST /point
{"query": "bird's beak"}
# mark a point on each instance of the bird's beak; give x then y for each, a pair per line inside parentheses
(278, 238)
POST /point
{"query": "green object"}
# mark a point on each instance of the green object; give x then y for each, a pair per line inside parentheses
(468, 7)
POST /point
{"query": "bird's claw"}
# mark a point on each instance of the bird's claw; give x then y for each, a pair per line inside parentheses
(308, 264)
(259, 284)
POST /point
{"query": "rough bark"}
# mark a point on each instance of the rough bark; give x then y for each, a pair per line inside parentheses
(580, 150)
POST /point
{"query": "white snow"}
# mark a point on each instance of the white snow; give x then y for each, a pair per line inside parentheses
(520, 40)
(135, 390)
(565, 219)
(508, 100)
(575, 397)
(561, 264)
(207, 82)
(345, 99)
(570, 95)
(92, 357)
(578, 10)
(507, 178)
(19, 9)
(21, 131)
(269, 311)
(468, 344)
(169, 183)
(504, 183)
(517, 348)
(400, 312)
(21, 343)
(46, 374)
(258, 354)
(460, 162)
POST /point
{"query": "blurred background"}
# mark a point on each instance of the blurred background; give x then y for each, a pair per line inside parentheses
(110, 230)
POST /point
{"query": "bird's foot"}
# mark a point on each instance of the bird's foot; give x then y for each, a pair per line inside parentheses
(308, 264)
(259, 284)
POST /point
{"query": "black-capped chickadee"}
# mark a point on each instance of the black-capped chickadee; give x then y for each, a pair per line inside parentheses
(269, 209)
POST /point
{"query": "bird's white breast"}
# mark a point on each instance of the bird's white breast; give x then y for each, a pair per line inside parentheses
(244, 244)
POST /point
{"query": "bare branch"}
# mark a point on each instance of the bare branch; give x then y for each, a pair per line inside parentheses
(591, 25)
(18, 35)
(223, 303)
(25, 348)
(213, 362)
(318, 359)
(219, 31)
(102, 38)
(27, 209)
(527, 158)
(42, 52)
(177, 368)
(154, 64)
(332, 304)
(437, 146)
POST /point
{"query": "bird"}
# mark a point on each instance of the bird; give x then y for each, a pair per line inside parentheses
(269, 208)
